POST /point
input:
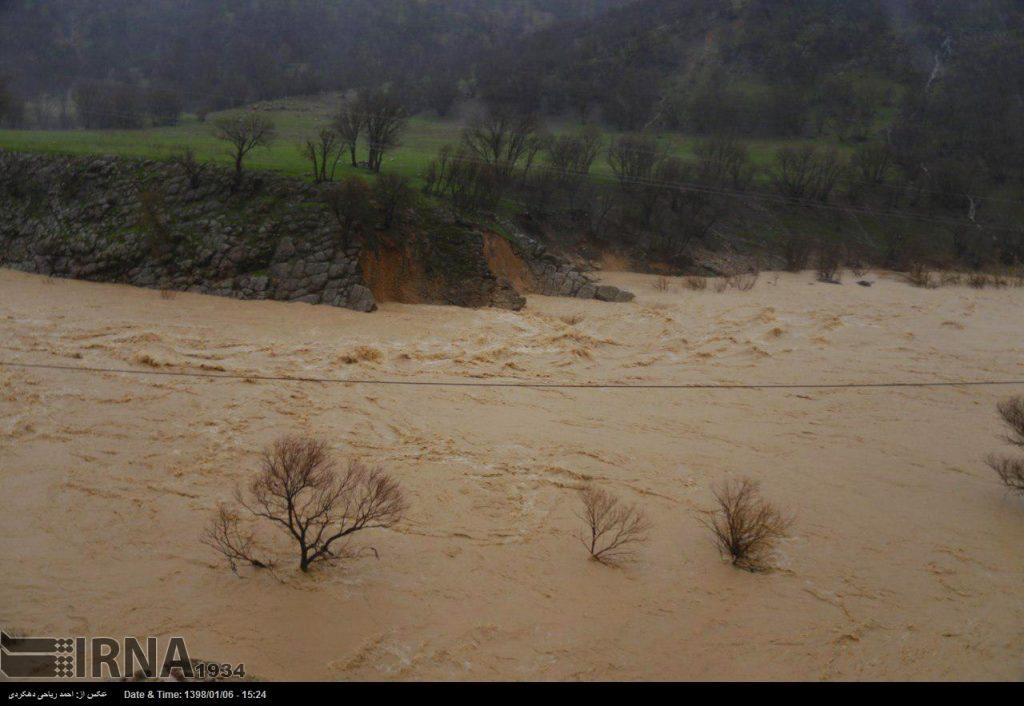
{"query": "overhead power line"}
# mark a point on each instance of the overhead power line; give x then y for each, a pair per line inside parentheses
(711, 386)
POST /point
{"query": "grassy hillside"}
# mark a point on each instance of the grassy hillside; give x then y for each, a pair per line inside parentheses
(297, 119)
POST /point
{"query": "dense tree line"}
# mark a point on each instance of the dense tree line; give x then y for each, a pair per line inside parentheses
(929, 94)
(659, 206)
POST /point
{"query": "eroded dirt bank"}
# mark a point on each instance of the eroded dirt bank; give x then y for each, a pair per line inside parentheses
(904, 562)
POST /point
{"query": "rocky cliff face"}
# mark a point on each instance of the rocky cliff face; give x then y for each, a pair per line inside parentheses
(150, 225)
(146, 224)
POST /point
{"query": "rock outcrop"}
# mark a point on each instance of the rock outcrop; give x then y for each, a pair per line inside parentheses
(146, 224)
(554, 276)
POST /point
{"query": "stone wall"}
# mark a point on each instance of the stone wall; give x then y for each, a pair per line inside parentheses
(147, 224)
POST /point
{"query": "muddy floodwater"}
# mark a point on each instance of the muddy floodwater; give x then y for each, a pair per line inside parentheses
(904, 560)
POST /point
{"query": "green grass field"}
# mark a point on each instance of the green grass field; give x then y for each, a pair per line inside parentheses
(296, 120)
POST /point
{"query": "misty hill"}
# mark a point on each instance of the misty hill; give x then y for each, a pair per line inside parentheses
(768, 67)
(218, 53)
(775, 68)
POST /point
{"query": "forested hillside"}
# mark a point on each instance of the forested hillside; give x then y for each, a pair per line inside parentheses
(216, 53)
(771, 67)
(935, 88)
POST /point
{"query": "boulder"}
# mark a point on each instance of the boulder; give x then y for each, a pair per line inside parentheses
(505, 296)
(360, 298)
(608, 293)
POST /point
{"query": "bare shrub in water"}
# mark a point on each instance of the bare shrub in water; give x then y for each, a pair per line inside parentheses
(299, 490)
(614, 529)
(745, 526)
(1011, 470)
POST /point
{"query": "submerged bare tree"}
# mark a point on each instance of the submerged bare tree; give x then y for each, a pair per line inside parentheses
(244, 133)
(613, 529)
(872, 162)
(830, 260)
(745, 526)
(1012, 412)
(1011, 470)
(300, 490)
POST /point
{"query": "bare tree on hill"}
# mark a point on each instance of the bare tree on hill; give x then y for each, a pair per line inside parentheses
(323, 153)
(633, 159)
(185, 158)
(385, 119)
(572, 156)
(501, 138)
(244, 133)
(349, 125)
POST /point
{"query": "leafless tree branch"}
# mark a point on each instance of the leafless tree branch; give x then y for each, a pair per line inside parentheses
(1010, 471)
(225, 536)
(1012, 412)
